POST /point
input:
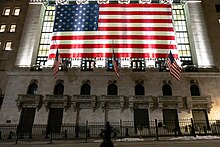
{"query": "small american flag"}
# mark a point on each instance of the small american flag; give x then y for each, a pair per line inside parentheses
(115, 65)
(56, 64)
(173, 66)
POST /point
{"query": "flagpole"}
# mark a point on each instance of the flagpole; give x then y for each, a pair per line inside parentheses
(114, 61)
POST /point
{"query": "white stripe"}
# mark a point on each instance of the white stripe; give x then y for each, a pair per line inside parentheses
(109, 50)
(135, 16)
(118, 41)
(84, 33)
(138, 9)
(135, 25)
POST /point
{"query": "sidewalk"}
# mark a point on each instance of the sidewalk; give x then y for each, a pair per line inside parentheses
(94, 143)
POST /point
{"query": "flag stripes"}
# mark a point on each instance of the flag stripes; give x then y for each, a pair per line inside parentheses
(174, 68)
(56, 64)
(138, 31)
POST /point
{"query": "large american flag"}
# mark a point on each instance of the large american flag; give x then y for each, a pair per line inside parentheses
(133, 30)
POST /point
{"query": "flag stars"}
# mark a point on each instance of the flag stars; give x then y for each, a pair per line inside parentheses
(76, 18)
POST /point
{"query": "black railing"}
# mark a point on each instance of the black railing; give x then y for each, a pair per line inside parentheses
(124, 129)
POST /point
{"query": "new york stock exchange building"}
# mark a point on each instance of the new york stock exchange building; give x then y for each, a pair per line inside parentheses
(139, 64)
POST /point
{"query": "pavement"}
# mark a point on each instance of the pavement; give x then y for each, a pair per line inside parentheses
(92, 143)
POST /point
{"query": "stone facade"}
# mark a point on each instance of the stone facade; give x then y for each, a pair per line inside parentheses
(99, 106)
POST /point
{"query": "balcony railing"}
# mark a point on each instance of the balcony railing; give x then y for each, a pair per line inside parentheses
(199, 102)
(170, 102)
(58, 101)
(29, 100)
(141, 101)
(112, 101)
(84, 101)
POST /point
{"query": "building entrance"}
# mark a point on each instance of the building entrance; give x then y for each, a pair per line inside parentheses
(26, 122)
(141, 118)
(170, 119)
(200, 118)
(55, 120)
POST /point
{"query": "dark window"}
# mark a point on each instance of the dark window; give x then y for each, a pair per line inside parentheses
(194, 89)
(109, 64)
(112, 89)
(1, 100)
(217, 7)
(87, 64)
(58, 89)
(138, 64)
(32, 88)
(167, 91)
(139, 89)
(85, 89)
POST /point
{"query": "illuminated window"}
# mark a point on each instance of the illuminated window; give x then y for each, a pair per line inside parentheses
(182, 37)
(2, 28)
(16, 11)
(87, 64)
(138, 64)
(8, 45)
(109, 64)
(46, 33)
(6, 12)
(12, 28)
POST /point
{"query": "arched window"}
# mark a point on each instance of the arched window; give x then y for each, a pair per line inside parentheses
(139, 89)
(85, 89)
(194, 89)
(112, 89)
(58, 89)
(167, 91)
(32, 88)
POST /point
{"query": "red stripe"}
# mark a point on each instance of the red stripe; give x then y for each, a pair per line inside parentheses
(167, 12)
(134, 13)
(174, 69)
(142, 46)
(94, 37)
(136, 29)
(109, 55)
(135, 20)
(137, 5)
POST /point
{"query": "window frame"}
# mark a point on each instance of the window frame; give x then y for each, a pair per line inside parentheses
(87, 64)
(14, 11)
(138, 64)
(5, 47)
(5, 10)
(10, 28)
(1, 29)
